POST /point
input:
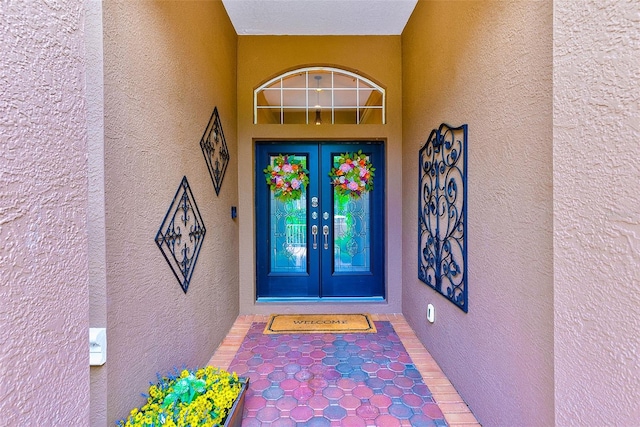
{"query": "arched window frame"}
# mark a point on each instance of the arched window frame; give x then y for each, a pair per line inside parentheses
(369, 85)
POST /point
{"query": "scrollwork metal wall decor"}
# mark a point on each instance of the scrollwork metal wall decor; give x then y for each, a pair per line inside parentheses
(181, 234)
(214, 148)
(442, 213)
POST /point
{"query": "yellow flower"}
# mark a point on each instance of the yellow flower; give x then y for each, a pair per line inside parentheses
(220, 390)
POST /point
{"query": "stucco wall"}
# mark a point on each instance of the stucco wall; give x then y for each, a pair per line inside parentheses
(597, 212)
(167, 65)
(95, 220)
(263, 57)
(488, 64)
(43, 216)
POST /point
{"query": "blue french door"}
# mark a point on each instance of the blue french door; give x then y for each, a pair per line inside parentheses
(325, 244)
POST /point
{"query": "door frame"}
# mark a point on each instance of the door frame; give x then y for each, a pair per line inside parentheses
(381, 235)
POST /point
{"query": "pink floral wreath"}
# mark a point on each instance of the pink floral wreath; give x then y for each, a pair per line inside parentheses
(287, 178)
(353, 175)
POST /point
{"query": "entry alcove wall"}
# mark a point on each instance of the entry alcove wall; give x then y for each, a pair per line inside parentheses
(261, 58)
(488, 65)
(166, 66)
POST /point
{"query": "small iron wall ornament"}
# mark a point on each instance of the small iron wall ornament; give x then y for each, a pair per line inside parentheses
(214, 148)
(442, 213)
(181, 234)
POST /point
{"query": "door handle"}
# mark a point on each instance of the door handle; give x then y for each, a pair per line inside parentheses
(325, 232)
(314, 232)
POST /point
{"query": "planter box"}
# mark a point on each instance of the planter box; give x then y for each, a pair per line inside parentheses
(234, 417)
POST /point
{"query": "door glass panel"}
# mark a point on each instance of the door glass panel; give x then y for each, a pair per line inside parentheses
(289, 231)
(351, 233)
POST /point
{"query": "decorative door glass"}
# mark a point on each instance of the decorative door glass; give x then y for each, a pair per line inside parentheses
(289, 231)
(351, 233)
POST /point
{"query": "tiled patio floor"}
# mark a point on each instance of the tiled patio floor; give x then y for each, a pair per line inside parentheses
(340, 379)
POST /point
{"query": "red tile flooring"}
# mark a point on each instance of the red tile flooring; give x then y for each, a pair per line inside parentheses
(340, 379)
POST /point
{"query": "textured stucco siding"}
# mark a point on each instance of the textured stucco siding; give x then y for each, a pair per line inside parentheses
(44, 358)
(166, 66)
(93, 32)
(489, 65)
(597, 212)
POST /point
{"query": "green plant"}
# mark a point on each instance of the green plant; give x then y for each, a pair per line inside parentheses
(200, 398)
(184, 390)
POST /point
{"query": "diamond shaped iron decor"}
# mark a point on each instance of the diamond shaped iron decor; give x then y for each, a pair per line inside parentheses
(214, 148)
(181, 234)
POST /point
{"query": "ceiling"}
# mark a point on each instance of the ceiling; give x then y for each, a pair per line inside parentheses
(319, 17)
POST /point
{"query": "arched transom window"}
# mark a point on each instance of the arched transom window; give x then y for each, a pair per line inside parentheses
(319, 95)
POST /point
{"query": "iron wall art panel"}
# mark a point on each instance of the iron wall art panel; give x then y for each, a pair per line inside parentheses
(181, 234)
(214, 148)
(442, 213)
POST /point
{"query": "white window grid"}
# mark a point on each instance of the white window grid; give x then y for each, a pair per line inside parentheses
(370, 86)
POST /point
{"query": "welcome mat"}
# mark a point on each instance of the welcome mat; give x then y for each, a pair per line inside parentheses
(319, 323)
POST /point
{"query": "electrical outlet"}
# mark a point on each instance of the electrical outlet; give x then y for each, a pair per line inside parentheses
(431, 313)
